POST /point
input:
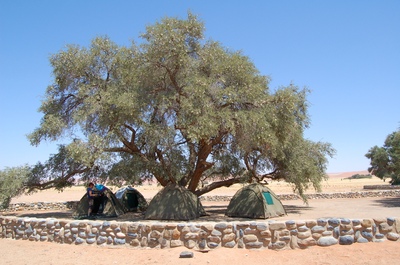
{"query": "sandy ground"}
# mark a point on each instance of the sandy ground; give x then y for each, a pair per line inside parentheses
(18, 252)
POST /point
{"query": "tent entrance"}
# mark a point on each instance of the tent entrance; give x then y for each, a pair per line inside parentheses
(268, 198)
(132, 200)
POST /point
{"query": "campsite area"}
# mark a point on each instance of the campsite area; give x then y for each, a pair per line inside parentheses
(23, 252)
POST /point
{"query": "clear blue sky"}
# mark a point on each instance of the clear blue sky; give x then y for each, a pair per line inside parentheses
(346, 52)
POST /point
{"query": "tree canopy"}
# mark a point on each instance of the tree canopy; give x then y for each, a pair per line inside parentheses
(176, 108)
(385, 160)
(12, 183)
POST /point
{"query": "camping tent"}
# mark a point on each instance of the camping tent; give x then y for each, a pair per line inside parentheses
(255, 201)
(174, 202)
(103, 206)
(131, 199)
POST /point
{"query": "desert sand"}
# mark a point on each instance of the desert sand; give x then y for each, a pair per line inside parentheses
(18, 252)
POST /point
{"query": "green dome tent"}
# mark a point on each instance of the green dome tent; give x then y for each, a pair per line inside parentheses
(104, 206)
(174, 202)
(255, 201)
(131, 199)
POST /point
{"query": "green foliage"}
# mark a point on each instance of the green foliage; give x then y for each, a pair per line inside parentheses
(178, 109)
(360, 176)
(12, 182)
(385, 160)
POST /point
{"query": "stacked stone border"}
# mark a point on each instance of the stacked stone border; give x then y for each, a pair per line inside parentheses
(23, 206)
(274, 235)
(267, 234)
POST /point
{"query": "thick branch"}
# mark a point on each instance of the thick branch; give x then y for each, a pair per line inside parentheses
(218, 184)
(53, 183)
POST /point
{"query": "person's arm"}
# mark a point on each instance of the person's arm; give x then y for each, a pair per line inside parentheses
(92, 194)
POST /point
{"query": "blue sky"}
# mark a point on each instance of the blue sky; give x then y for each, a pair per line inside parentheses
(346, 52)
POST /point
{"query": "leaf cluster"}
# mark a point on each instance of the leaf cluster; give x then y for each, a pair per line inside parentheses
(12, 184)
(385, 160)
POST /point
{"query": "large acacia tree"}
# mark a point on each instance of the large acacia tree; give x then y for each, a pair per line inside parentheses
(178, 109)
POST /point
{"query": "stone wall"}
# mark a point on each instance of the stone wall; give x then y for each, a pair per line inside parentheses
(381, 187)
(314, 196)
(209, 235)
(72, 204)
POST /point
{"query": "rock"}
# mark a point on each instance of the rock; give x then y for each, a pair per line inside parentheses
(385, 228)
(119, 241)
(327, 241)
(155, 234)
(176, 234)
(391, 220)
(367, 235)
(276, 245)
(101, 240)
(345, 221)
(303, 243)
(191, 236)
(158, 226)
(250, 231)
(311, 223)
(220, 226)
(393, 236)
(304, 235)
(318, 229)
(228, 237)
(135, 243)
(230, 244)
(277, 226)
(240, 243)
(262, 226)
(202, 244)
(216, 233)
(215, 239)
(190, 244)
(347, 232)
(362, 240)
(327, 233)
(334, 222)
(90, 241)
(346, 240)
(303, 228)
(250, 238)
(254, 245)
(164, 243)
(208, 227)
(366, 222)
(212, 244)
(291, 225)
(265, 233)
(322, 222)
(186, 254)
(379, 220)
(79, 241)
(397, 225)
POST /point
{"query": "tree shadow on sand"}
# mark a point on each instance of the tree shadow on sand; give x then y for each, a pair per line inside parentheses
(215, 213)
(296, 209)
(45, 214)
(388, 202)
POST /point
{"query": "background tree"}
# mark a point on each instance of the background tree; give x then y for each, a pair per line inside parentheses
(385, 160)
(12, 183)
(178, 109)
